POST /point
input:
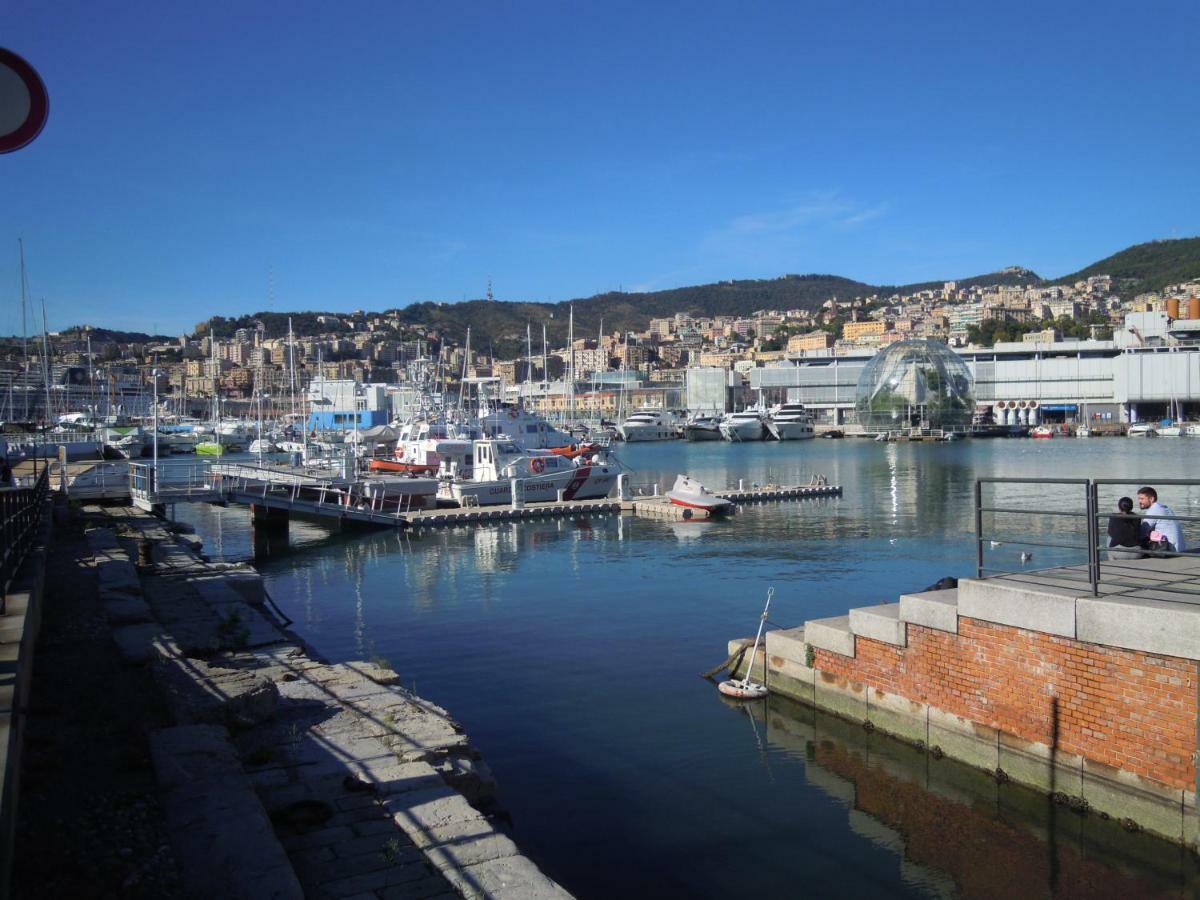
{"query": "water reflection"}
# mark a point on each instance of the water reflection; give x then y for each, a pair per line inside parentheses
(957, 832)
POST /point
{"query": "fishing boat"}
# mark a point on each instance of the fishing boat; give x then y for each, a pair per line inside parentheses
(540, 475)
(693, 495)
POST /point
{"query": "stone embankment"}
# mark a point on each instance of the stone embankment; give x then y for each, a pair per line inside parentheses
(282, 775)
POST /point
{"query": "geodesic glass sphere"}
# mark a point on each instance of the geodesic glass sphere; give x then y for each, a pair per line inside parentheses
(915, 384)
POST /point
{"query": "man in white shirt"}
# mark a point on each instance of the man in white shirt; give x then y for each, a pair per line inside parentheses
(1161, 518)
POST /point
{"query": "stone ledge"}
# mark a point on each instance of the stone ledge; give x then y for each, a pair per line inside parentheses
(832, 634)
(1020, 604)
(931, 609)
(1164, 627)
(880, 623)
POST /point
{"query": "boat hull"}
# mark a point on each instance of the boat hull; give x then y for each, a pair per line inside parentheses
(791, 431)
(582, 483)
(743, 431)
(702, 433)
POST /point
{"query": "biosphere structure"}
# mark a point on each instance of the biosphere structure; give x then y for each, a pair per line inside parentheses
(915, 384)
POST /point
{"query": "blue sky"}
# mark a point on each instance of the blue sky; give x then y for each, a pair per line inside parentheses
(376, 154)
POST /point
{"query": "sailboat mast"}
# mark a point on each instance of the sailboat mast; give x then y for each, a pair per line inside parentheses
(571, 366)
(24, 332)
(46, 364)
(462, 388)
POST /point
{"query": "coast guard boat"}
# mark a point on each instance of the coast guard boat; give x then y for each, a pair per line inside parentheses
(541, 474)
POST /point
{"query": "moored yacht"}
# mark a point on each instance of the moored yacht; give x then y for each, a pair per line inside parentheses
(541, 475)
(702, 428)
(1142, 429)
(747, 425)
(790, 422)
(527, 428)
(650, 425)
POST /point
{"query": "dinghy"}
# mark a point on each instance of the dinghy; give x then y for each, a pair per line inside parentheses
(744, 688)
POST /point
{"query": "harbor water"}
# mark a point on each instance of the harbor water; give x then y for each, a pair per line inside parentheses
(570, 651)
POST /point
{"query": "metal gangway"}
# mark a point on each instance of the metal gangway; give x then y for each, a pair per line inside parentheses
(265, 487)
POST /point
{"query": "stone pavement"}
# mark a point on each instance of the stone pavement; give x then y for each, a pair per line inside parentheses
(286, 776)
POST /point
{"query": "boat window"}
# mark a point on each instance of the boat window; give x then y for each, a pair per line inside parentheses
(531, 429)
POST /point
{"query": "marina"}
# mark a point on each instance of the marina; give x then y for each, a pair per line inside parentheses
(653, 595)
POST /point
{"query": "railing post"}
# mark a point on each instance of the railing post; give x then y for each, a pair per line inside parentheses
(978, 528)
(1093, 531)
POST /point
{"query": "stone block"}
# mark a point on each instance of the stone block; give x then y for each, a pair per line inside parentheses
(964, 740)
(126, 610)
(897, 715)
(1134, 623)
(932, 609)
(506, 878)
(1022, 604)
(1123, 795)
(879, 623)
(1036, 765)
(140, 643)
(840, 695)
(832, 634)
(788, 644)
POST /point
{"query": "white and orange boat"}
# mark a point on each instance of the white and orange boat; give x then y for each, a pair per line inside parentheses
(694, 495)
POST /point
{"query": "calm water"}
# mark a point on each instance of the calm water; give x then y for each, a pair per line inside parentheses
(570, 651)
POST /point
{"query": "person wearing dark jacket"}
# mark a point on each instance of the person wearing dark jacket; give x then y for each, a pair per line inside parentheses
(1124, 532)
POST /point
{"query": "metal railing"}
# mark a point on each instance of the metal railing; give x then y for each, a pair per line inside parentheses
(20, 516)
(1078, 550)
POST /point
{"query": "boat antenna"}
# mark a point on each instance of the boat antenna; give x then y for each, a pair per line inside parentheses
(24, 328)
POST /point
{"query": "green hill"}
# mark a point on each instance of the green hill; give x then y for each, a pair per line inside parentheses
(1146, 267)
(501, 325)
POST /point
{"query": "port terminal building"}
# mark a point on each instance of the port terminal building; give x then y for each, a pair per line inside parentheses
(1149, 371)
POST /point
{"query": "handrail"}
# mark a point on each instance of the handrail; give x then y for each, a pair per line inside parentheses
(1096, 571)
(20, 516)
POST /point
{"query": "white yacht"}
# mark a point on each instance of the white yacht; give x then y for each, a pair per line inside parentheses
(542, 474)
(702, 427)
(650, 425)
(526, 428)
(747, 425)
(790, 422)
(1142, 429)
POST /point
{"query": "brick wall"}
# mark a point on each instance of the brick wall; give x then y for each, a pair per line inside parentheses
(1130, 710)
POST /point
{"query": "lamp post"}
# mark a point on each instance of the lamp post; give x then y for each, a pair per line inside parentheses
(154, 378)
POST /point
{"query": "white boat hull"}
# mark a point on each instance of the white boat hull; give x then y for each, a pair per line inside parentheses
(631, 433)
(743, 431)
(576, 483)
(791, 431)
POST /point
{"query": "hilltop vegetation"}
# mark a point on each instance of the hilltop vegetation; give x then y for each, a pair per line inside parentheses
(1146, 267)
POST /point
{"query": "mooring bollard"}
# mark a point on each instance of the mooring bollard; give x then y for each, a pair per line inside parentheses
(741, 484)
(518, 494)
(623, 486)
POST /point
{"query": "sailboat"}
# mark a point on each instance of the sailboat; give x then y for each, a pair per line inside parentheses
(213, 447)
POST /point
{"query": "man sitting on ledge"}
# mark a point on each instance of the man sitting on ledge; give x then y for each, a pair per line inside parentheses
(1160, 518)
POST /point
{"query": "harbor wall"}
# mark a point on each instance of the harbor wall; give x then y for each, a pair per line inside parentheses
(1101, 728)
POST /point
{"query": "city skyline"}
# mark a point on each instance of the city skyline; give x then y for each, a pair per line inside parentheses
(377, 157)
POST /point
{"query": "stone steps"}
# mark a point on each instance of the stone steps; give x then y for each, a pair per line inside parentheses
(833, 634)
(880, 623)
(932, 609)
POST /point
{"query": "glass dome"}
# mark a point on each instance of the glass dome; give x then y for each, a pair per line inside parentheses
(915, 384)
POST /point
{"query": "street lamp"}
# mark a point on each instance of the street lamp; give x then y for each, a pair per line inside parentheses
(154, 378)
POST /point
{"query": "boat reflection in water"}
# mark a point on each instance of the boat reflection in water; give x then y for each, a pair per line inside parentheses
(957, 831)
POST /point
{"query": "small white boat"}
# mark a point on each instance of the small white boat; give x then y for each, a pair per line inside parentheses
(1083, 431)
(744, 688)
(1174, 429)
(747, 425)
(1142, 430)
(1042, 431)
(693, 495)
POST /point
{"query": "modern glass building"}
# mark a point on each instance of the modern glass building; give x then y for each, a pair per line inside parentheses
(915, 384)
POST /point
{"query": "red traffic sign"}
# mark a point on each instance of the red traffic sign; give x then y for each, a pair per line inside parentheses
(24, 103)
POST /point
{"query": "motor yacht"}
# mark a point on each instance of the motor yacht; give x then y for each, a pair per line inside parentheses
(650, 425)
(702, 428)
(747, 425)
(540, 474)
(528, 429)
(790, 422)
(1142, 429)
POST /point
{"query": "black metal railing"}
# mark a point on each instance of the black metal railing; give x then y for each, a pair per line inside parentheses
(20, 516)
(1012, 514)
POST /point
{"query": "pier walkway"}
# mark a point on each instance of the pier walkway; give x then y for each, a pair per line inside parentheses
(275, 492)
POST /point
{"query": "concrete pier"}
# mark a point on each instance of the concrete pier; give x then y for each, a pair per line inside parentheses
(278, 774)
(1028, 677)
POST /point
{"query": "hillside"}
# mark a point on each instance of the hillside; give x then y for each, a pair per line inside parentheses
(1146, 267)
(501, 325)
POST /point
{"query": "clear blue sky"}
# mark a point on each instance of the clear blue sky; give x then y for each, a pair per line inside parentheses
(375, 154)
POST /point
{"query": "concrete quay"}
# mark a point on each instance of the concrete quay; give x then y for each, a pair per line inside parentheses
(278, 774)
(1029, 678)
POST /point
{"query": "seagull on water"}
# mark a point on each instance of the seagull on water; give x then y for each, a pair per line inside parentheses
(995, 544)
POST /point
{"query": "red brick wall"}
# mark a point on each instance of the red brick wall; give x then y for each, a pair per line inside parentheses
(1130, 710)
